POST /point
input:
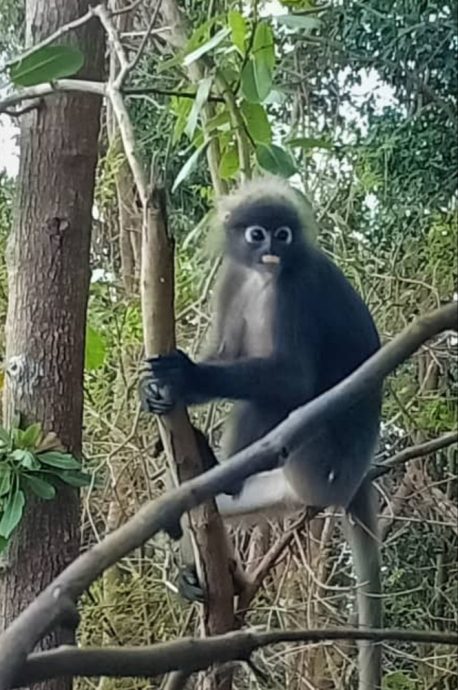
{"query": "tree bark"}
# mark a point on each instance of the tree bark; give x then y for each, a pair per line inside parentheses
(48, 266)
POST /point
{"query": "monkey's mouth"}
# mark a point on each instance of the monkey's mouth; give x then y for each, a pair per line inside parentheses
(270, 259)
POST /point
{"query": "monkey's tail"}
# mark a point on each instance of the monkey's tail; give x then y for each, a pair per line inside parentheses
(362, 534)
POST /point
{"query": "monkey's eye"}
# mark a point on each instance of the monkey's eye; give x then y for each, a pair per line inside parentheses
(284, 234)
(255, 233)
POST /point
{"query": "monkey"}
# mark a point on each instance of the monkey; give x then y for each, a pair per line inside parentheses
(287, 327)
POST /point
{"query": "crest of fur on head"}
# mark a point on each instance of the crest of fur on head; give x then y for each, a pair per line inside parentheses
(273, 189)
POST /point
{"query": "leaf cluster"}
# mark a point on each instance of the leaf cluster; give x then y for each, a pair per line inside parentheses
(31, 466)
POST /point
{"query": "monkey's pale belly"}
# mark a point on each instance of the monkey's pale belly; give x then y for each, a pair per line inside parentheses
(257, 305)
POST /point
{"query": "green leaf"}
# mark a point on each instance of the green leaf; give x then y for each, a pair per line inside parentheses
(398, 681)
(218, 121)
(6, 476)
(275, 160)
(206, 47)
(199, 101)
(309, 143)
(201, 33)
(229, 164)
(38, 486)
(30, 436)
(46, 64)
(76, 479)
(189, 166)
(298, 21)
(256, 81)
(63, 461)
(181, 107)
(95, 349)
(12, 513)
(263, 45)
(238, 26)
(25, 458)
(164, 65)
(3, 543)
(257, 122)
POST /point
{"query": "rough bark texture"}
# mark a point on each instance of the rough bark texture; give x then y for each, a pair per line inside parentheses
(48, 264)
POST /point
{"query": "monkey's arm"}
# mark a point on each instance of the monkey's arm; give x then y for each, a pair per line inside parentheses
(174, 378)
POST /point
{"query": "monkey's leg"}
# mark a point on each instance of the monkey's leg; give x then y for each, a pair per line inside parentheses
(268, 493)
(361, 529)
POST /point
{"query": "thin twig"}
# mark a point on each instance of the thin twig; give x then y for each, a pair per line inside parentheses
(413, 452)
(122, 77)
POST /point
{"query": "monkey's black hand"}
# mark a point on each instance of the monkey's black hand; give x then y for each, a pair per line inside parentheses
(164, 381)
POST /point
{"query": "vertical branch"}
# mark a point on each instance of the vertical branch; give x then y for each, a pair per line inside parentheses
(178, 436)
(236, 118)
(157, 297)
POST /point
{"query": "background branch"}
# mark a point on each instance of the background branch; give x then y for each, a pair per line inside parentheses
(190, 655)
(413, 452)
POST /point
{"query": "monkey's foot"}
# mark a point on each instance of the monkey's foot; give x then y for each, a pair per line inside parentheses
(189, 586)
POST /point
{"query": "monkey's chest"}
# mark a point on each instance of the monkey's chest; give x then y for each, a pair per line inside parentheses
(257, 316)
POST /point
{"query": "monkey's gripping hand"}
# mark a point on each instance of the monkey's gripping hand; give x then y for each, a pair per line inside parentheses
(165, 381)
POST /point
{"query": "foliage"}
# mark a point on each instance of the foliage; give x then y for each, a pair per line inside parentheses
(11, 27)
(45, 65)
(31, 465)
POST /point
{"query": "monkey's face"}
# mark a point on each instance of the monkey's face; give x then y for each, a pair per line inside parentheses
(263, 235)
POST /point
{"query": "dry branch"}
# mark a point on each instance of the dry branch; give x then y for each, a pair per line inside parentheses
(190, 655)
(412, 452)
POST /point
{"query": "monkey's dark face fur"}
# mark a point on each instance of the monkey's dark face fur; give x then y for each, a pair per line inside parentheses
(264, 235)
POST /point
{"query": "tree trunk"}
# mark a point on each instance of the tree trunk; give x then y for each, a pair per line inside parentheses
(48, 266)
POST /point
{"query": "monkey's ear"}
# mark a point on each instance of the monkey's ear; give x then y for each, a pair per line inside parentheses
(226, 217)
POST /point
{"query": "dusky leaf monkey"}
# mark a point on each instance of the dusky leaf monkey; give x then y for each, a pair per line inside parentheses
(288, 326)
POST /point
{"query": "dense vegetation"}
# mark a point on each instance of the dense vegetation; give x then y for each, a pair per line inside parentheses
(356, 102)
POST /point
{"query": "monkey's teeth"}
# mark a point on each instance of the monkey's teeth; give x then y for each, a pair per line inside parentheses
(270, 259)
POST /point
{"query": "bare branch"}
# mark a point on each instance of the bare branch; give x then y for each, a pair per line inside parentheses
(59, 86)
(189, 655)
(113, 37)
(164, 513)
(413, 452)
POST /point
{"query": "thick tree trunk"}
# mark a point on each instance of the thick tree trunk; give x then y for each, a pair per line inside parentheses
(48, 264)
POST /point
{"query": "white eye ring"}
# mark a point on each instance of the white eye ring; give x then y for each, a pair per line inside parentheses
(255, 234)
(284, 234)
